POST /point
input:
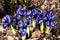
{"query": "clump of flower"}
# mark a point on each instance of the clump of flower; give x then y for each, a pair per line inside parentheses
(28, 19)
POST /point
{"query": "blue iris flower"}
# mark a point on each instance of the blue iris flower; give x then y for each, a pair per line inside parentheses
(21, 25)
(25, 13)
(41, 19)
(25, 21)
(50, 16)
(18, 17)
(48, 11)
(28, 12)
(34, 11)
(8, 19)
(29, 17)
(25, 26)
(4, 19)
(19, 22)
(51, 24)
(23, 8)
(37, 20)
(34, 16)
(40, 12)
(23, 32)
(53, 16)
(14, 22)
(18, 11)
(5, 26)
(48, 23)
(40, 16)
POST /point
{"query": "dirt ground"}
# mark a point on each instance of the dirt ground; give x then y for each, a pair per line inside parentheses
(53, 5)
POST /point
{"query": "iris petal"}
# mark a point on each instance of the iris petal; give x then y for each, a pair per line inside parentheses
(9, 18)
(23, 32)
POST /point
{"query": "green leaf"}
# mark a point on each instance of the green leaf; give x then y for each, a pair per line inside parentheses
(25, 1)
(11, 6)
(20, 0)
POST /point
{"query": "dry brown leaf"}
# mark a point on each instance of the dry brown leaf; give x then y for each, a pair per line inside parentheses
(36, 33)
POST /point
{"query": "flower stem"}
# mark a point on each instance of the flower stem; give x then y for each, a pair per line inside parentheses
(31, 29)
(27, 30)
(42, 27)
(23, 37)
(13, 30)
(47, 31)
(33, 22)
